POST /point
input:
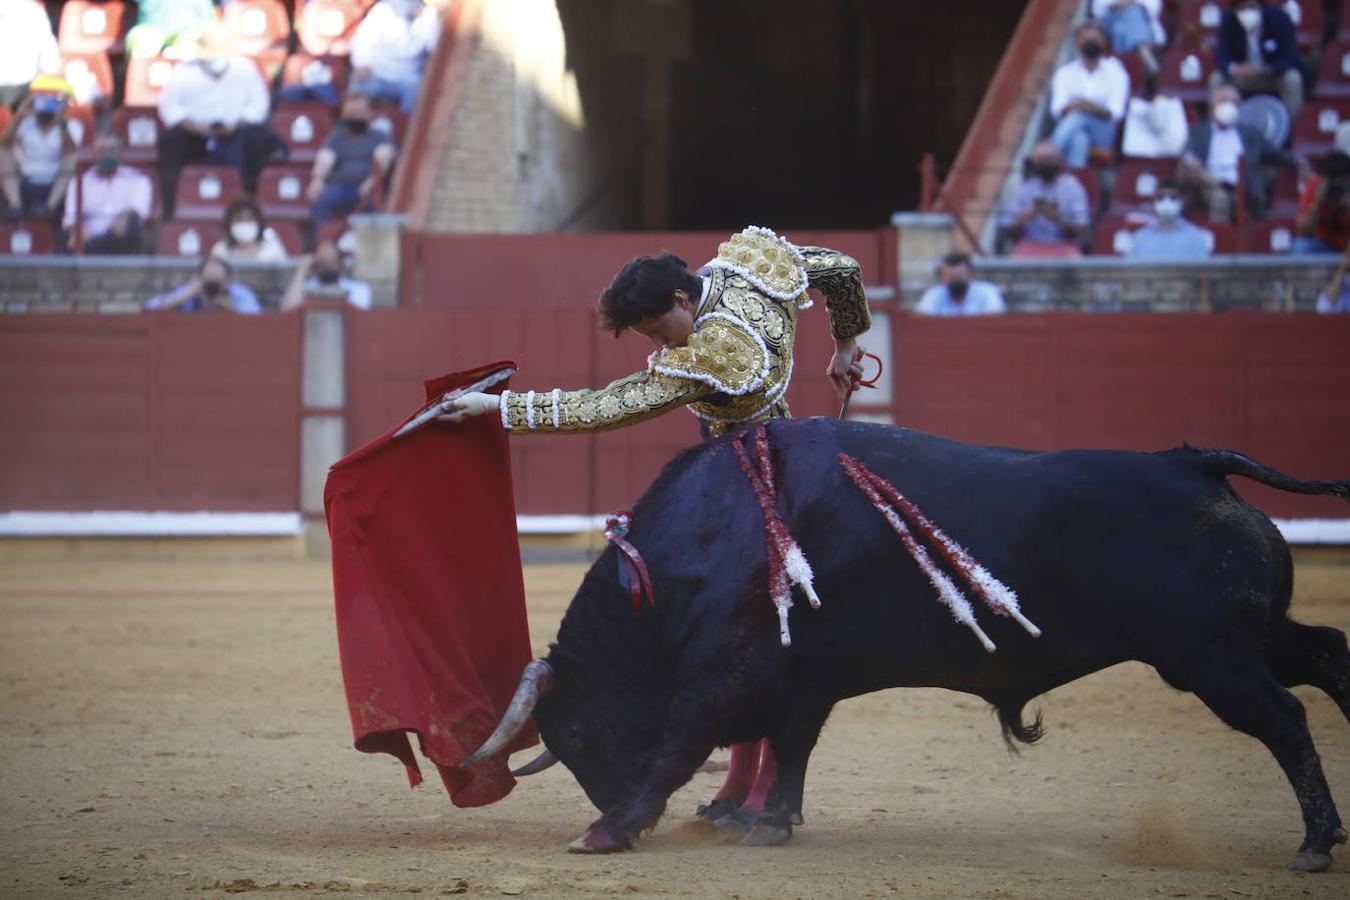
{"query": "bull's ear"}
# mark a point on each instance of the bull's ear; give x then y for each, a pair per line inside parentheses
(538, 764)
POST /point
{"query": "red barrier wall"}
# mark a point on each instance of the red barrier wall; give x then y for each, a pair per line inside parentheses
(1272, 386)
(159, 412)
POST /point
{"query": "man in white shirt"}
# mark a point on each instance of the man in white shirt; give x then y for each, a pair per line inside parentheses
(110, 203)
(1087, 98)
(27, 48)
(37, 157)
(390, 49)
(214, 110)
(957, 293)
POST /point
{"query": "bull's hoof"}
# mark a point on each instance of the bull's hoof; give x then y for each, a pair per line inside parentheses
(738, 820)
(795, 819)
(1339, 836)
(711, 812)
(598, 840)
(1309, 861)
(767, 834)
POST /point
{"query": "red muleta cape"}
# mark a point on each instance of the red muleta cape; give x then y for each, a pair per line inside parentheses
(429, 594)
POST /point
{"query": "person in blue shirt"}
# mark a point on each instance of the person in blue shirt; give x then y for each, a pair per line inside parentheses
(1171, 237)
(957, 293)
(212, 289)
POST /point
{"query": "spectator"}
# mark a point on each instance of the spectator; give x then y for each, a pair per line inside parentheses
(958, 294)
(27, 49)
(316, 85)
(213, 289)
(1087, 98)
(247, 236)
(112, 202)
(1335, 298)
(1257, 53)
(1171, 237)
(352, 166)
(214, 110)
(169, 27)
(1049, 209)
(390, 50)
(1220, 148)
(1323, 223)
(37, 157)
(323, 273)
(1132, 25)
(1155, 129)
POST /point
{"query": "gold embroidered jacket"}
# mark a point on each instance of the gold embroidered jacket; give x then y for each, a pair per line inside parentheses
(737, 364)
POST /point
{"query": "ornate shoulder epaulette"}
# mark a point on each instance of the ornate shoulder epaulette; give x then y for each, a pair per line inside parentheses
(723, 352)
(769, 262)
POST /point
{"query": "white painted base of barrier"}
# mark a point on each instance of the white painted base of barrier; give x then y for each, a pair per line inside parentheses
(107, 523)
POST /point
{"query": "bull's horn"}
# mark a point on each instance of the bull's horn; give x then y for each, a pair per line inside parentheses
(536, 765)
(534, 683)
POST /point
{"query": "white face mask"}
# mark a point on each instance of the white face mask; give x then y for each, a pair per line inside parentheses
(1226, 113)
(1168, 208)
(244, 232)
(1250, 18)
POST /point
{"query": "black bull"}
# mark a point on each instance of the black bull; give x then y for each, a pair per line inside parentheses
(1116, 556)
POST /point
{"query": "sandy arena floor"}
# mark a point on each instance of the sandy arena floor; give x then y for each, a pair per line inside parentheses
(177, 729)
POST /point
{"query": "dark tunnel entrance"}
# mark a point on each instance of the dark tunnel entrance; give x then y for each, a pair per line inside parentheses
(799, 113)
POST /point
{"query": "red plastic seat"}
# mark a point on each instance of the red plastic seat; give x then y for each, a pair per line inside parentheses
(80, 124)
(1284, 194)
(145, 79)
(1088, 178)
(188, 239)
(1135, 68)
(1308, 19)
(391, 120)
(325, 27)
(1333, 74)
(1184, 72)
(333, 67)
(281, 192)
(205, 191)
(1315, 125)
(1198, 23)
(337, 231)
(1225, 237)
(90, 75)
(260, 29)
(288, 232)
(1136, 183)
(304, 128)
(139, 128)
(26, 239)
(1269, 235)
(1113, 236)
(91, 27)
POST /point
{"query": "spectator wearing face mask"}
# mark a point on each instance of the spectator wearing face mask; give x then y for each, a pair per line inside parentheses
(390, 49)
(1170, 237)
(323, 274)
(1049, 210)
(247, 236)
(1257, 52)
(1087, 98)
(958, 293)
(1323, 222)
(1218, 149)
(352, 165)
(37, 157)
(1132, 25)
(213, 289)
(111, 203)
(214, 110)
(27, 48)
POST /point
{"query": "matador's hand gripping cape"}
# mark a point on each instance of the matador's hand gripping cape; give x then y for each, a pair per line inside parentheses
(429, 595)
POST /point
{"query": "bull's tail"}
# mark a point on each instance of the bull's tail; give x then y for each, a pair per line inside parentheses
(1222, 463)
(1014, 729)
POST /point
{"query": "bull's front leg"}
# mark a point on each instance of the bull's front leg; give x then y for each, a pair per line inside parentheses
(685, 743)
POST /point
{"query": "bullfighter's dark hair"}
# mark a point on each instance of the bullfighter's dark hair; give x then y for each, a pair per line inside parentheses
(645, 288)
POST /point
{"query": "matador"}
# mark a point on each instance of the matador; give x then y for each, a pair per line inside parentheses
(724, 339)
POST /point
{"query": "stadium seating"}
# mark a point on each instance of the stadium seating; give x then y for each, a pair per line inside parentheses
(335, 67)
(288, 232)
(1284, 195)
(205, 191)
(91, 27)
(1309, 21)
(391, 120)
(1198, 23)
(1114, 236)
(1136, 183)
(337, 231)
(281, 192)
(1270, 235)
(1184, 72)
(1315, 125)
(1091, 182)
(190, 239)
(139, 127)
(304, 128)
(325, 27)
(1138, 72)
(26, 238)
(260, 29)
(1333, 75)
(90, 75)
(145, 79)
